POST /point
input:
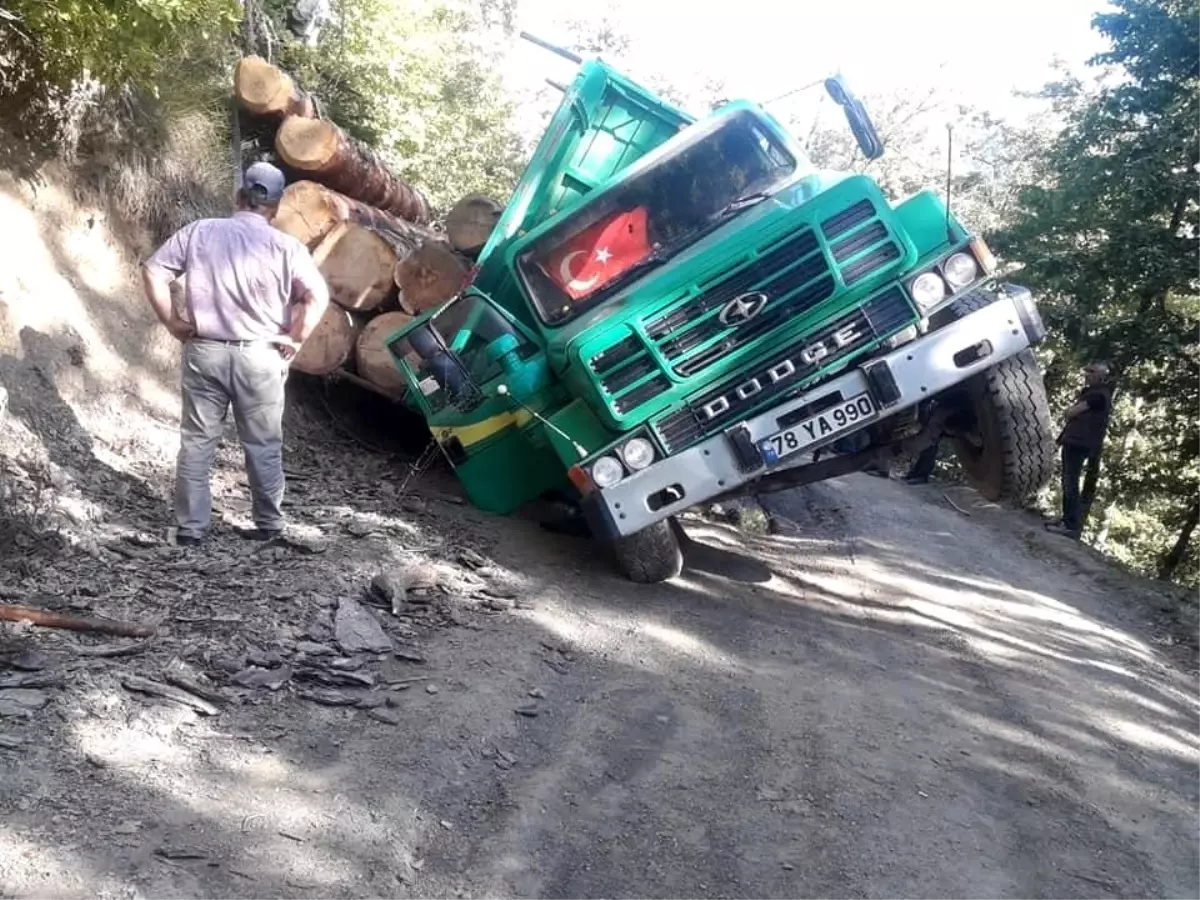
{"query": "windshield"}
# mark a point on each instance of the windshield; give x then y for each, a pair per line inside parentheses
(652, 216)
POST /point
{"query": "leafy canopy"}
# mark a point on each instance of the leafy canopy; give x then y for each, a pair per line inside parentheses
(121, 41)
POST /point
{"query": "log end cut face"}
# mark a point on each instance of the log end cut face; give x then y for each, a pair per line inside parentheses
(307, 144)
(262, 88)
(374, 359)
(330, 344)
(357, 265)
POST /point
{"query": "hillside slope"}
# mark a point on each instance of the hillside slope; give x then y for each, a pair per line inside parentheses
(890, 695)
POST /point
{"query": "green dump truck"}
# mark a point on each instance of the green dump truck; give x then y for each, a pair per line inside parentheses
(673, 310)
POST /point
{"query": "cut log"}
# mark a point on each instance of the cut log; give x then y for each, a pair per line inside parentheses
(357, 265)
(330, 344)
(310, 211)
(373, 358)
(307, 212)
(324, 153)
(430, 275)
(265, 90)
(471, 221)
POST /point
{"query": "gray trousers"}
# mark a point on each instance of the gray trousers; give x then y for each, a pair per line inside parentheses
(248, 377)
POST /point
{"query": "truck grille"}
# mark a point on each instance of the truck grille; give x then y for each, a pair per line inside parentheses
(795, 277)
(882, 249)
(624, 371)
(796, 274)
(784, 372)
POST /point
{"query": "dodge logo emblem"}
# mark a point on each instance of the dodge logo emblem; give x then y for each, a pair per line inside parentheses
(742, 309)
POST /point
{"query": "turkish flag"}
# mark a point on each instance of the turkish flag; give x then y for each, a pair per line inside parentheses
(599, 253)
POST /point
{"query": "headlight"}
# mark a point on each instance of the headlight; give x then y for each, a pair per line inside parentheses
(637, 453)
(606, 472)
(928, 290)
(960, 270)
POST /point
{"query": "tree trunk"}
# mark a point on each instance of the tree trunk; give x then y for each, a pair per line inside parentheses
(430, 275)
(470, 223)
(324, 153)
(1170, 562)
(264, 90)
(374, 360)
(309, 211)
(330, 344)
(357, 265)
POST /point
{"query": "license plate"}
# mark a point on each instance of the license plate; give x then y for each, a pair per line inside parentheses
(843, 417)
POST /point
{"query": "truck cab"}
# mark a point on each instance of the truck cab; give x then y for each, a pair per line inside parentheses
(671, 310)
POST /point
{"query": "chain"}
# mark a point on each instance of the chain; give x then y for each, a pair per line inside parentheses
(424, 461)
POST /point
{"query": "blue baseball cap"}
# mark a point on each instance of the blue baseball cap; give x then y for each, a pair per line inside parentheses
(267, 179)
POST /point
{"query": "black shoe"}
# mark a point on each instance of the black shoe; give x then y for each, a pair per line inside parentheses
(260, 534)
(188, 540)
(1057, 528)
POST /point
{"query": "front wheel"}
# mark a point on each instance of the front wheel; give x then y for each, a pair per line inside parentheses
(650, 555)
(1009, 454)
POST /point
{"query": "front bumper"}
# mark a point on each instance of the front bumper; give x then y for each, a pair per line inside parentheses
(897, 381)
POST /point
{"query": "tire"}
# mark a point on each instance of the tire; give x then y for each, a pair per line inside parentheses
(1013, 458)
(651, 555)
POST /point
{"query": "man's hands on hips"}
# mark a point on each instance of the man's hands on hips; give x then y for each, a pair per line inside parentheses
(181, 329)
(288, 347)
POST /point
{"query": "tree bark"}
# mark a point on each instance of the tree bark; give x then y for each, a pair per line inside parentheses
(330, 344)
(1170, 562)
(374, 360)
(357, 265)
(309, 211)
(322, 152)
(265, 90)
(430, 275)
(470, 223)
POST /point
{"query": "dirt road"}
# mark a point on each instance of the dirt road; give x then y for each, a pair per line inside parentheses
(889, 697)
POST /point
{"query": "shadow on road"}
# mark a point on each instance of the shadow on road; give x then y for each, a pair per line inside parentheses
(821, 713)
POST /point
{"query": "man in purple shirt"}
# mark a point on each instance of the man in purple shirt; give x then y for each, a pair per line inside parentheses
(253, 296)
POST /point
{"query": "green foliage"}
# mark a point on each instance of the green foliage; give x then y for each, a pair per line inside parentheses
(415, 80)
(989, 158)
(1108, 232)
(120, 41)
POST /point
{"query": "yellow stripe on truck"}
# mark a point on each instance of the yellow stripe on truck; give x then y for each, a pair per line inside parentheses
(479, 431)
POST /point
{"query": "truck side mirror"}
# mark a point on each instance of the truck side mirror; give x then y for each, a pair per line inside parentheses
(860, 122)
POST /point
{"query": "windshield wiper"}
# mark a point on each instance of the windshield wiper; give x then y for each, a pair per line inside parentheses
(737, 204)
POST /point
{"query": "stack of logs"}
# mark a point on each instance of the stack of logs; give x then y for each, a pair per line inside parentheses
(371, 234)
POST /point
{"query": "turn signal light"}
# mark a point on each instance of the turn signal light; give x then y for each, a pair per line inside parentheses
(987, 259)
(579, 477)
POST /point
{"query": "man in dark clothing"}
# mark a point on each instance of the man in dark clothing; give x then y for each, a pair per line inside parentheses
(922, 467)
(1081, 440)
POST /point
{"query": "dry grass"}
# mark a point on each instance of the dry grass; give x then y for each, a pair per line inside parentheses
(188, 177)
(155, 162)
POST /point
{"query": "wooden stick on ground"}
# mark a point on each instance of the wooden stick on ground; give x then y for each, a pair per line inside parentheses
(47, 619)
(174, 694)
